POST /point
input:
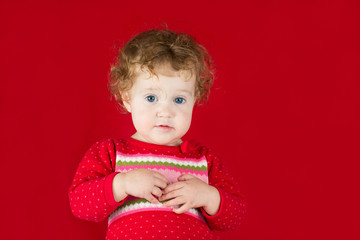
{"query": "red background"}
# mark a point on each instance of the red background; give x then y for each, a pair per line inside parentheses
(283, 114)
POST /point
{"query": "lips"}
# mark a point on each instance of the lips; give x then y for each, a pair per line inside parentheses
(163, 127)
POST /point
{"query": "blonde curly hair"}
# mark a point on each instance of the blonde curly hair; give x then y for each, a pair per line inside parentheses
(157, 47)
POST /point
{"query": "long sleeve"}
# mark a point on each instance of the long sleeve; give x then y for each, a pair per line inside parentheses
(232, 206)
(90, 195)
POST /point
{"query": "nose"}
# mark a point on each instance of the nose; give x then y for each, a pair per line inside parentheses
(164, 110)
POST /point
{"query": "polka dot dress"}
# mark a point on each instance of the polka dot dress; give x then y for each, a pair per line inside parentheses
(91, 197)
(159, 225)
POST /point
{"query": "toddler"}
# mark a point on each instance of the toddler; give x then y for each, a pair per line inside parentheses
(153, 185)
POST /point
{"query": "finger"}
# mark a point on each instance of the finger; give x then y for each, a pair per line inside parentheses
(173, 187)
(175, 201)
(181, 209)
(159, 182)
(151, 199)
(156, 191)
(162, 177)
(185, 177)
(171, 195)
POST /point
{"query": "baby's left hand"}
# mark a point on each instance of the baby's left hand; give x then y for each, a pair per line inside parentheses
(191, 192)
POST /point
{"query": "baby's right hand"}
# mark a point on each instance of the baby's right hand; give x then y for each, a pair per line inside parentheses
(141, 183)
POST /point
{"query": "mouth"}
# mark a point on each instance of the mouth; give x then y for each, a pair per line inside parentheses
(163, 127)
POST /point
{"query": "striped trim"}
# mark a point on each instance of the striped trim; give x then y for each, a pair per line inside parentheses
(142, 205)
(171, 167)
(165, 163)
(171, 175)
(149, 155)
(197, 167)
(122, 168)
(155, 159)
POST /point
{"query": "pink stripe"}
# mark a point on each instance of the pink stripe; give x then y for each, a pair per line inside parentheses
(171, 174)
(157, 167)
(160, 156)
(151, 209)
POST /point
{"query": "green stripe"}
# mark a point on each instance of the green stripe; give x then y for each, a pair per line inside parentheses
(136, 201)
(123, 163)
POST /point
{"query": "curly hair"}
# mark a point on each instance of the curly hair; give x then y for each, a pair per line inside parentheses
(157, 47)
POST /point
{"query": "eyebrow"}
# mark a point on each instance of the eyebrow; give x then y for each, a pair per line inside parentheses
(151, 89)
(186, 91)
(158, 89)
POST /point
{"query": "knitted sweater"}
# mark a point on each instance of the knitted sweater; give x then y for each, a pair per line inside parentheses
(91, 197)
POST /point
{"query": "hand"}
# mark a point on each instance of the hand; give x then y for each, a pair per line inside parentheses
(191, 192)
(140, 182)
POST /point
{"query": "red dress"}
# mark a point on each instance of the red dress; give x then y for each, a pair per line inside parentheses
(91, 197)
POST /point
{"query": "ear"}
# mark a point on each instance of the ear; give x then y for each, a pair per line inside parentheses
(126, 101)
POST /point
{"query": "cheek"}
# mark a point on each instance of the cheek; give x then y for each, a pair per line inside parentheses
(142, 118)
(185, 118)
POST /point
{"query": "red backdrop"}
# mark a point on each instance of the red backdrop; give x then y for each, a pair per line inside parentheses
(283, 114)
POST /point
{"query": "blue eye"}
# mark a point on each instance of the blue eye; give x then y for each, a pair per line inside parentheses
(179, 100)
(151, 98)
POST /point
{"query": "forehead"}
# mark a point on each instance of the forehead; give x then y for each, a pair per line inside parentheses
(164, 75)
